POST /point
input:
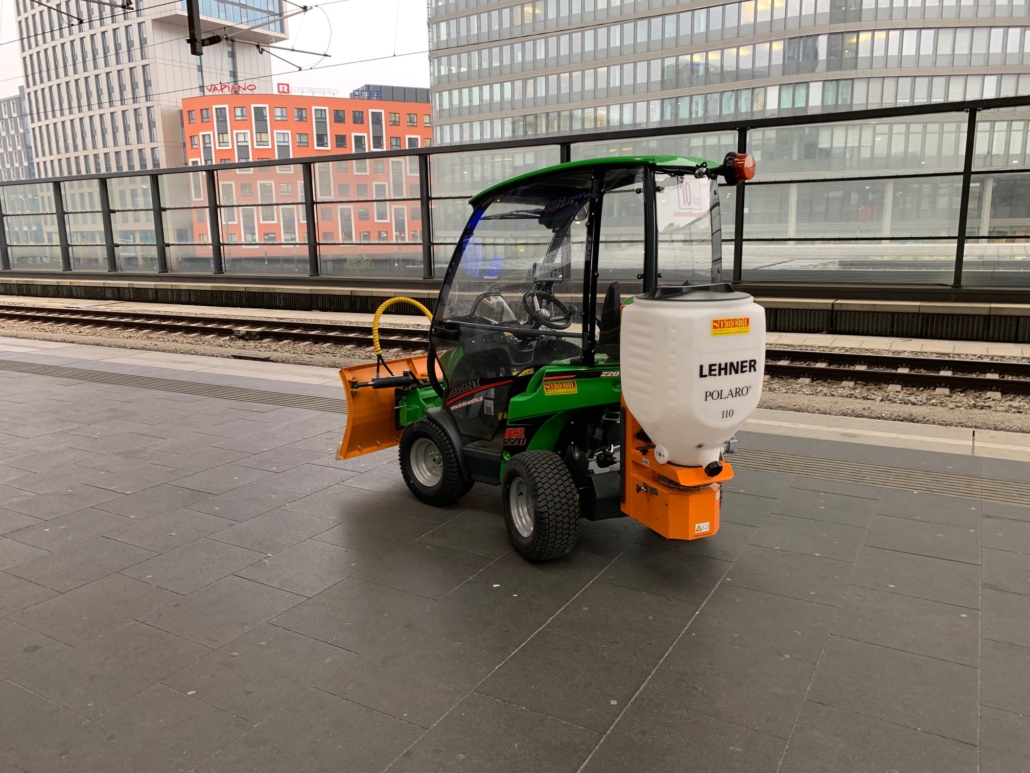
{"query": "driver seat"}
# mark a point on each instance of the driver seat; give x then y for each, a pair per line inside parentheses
(609, 326)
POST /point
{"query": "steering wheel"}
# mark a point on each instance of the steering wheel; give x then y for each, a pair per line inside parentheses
(534, 300)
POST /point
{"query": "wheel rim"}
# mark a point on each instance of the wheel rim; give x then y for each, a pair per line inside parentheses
(520, 502)
(426, 462)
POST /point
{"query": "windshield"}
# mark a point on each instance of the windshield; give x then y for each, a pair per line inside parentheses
(687, 214)
(522, 264)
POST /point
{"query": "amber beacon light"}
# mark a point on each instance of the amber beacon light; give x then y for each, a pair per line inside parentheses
(737, 167)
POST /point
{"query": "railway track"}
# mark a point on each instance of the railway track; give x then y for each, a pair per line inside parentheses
(1011, 377)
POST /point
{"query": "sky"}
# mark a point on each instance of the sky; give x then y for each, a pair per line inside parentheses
(349, 30)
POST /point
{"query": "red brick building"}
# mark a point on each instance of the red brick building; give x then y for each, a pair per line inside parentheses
(368, 211)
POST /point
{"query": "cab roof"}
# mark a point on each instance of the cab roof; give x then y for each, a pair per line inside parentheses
(675, 162)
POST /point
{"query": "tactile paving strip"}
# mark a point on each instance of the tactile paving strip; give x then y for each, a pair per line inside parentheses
(283, 399)
(946, 484)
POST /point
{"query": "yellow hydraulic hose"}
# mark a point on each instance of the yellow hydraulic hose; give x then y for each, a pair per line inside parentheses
(379, 313)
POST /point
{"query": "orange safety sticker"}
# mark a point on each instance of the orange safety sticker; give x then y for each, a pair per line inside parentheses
(567, 387)
(731, 326)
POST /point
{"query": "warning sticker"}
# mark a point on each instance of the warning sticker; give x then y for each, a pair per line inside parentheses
(702, 528)
(731, 326)
(568, 387)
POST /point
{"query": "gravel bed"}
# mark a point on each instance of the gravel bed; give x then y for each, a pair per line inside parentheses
(900, 352)
(974, 410)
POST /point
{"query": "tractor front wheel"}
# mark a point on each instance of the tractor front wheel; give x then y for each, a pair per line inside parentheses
(541, 505)
(429, 464)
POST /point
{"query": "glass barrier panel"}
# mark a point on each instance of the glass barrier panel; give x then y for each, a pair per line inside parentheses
(31, 229)
(190, 258)
(129, 193)
(997, 262)
(186, 226)
(933, 143)
(89, 257)
(136, 227)
(33, 198)
(712, 146)
(379, 178)
(1001, 138)
(38, 257)
(81, 195)
(999, 205)
(84, 228)
(264, 224)
(373, 259)
(842, 209)
(183, 190)
(880, 261)
(442, 254)
(266, 258)
(136, 257)
(466, 174)
(449, 219)
(370, 222)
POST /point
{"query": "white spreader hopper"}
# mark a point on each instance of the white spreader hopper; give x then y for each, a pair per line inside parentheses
(692, 358)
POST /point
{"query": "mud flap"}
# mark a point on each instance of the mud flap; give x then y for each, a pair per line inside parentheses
(372, 413)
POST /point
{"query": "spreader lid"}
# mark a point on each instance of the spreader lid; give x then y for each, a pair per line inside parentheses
(715, 293)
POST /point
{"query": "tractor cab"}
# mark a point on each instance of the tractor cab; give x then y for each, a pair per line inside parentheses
(521, 385)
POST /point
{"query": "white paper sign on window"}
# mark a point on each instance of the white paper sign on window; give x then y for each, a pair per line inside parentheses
(680, 205)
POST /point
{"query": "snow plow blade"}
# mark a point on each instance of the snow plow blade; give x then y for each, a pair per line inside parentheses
(372, 413)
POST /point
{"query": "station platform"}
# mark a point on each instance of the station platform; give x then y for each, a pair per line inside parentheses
(190, 581)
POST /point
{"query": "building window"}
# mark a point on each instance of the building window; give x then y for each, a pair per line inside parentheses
(339, 116)
(205, 115)
(243, 146)
(261, 136)
(152, 124)
(358, 116)
(148, 90)
(378, 135)
(246, 190)
(240, 113)
(378, 167)
(359, 143)
(134, 85)
(412, 119)
(191, 116)
(142, 29)
(427, 120)
(341, 140)
(282, 144)
(222, 126)
(395, 119)
(286, 189)
(395, 143)
(300, 114)
(206, 150)
(194, 142)
(266, 196)
(155, 158)
(384, 236)
(321, 128)
(280, 113)
(302, 140)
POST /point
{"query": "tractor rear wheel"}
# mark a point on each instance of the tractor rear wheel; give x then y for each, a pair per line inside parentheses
(429, 464)
(541, 505)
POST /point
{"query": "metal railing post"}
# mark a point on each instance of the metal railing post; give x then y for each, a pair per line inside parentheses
(105, 217)
(159, 224)
(738, 215)
(5, 251)
(307, 173)
(427, 216)
(62, 227)
(214, 223)
(963, 211)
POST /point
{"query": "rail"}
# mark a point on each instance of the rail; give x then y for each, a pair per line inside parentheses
(932, 195)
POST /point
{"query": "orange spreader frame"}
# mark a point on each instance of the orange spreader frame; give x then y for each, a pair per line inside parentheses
(372, 413)
(677, 502)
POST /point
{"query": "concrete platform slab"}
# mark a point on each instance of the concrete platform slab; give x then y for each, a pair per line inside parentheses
(231, 604)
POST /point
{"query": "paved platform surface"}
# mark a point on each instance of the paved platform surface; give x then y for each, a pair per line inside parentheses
(189, 583)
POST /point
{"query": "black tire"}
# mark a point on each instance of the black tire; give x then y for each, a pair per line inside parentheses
(553, 507)
(425, 437)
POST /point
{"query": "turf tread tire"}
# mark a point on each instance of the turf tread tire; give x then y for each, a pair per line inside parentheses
(453, 485)
(555, 505)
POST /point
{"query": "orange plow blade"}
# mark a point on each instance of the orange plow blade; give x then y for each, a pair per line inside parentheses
(372, 413)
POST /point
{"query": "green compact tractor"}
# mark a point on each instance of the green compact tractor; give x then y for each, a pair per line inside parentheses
(522, 384)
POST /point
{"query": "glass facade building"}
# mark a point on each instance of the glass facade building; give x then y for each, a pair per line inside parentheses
(548, 67)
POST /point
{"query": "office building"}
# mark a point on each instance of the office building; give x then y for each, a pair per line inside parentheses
(503, 70)
(15, 139)
(104, 94)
